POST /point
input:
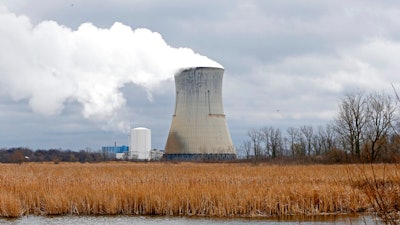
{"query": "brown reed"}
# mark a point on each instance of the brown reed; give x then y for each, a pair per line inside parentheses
(382, 190)
(223, 190)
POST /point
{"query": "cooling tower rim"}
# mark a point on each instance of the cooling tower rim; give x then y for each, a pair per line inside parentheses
(197, 67)
(140, 128)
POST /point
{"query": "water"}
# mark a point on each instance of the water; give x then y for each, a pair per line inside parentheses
(124, 220)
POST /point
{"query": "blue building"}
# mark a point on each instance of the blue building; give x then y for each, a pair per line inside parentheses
(115, 149)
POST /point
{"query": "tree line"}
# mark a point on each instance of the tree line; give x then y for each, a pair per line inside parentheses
(365, 129)
(20, 155)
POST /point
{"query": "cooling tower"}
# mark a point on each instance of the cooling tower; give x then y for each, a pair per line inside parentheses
(199, 130)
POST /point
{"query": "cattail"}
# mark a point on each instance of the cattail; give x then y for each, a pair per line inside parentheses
(186, 189)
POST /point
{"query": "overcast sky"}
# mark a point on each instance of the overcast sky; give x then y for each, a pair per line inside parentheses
(79, 73)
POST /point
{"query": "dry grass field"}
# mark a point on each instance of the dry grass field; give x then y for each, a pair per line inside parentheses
(223, 190)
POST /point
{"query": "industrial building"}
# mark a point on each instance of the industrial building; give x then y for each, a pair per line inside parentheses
(199, 130)
(118, 152)
(139, 147)
(115, 149)
(156, 154)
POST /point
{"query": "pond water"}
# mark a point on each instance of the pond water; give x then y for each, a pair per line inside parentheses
(124, 220)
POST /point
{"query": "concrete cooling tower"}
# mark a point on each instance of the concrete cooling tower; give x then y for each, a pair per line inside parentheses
(199, 130)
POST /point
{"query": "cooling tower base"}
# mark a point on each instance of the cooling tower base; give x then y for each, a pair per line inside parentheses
(199, 157)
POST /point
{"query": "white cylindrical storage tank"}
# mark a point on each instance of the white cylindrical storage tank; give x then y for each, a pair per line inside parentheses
(140, 143)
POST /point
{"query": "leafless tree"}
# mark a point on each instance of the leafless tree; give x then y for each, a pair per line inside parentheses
(293, 135)
(266, 139)
(350, 122)
(396, 122)
(277, 143)
(380, 112)
(327, 138)
(272, 139)
(247, 147)
(255, 138)
(307, 133)
(316, 143)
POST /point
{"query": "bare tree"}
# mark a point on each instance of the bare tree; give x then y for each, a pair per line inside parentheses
(298, 143)
(247, 147)
(307, 132)
(380, 112)
(317, 143)
(285, 146)
(255, 138)
(277, 142)
(396, 122)
(327, 138)
(350, 122)
(272, 139)
(293, 134)
(266, 139)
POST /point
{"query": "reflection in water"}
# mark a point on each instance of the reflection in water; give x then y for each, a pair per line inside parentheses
(124, 220)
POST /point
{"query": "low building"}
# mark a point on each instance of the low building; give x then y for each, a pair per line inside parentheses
(156, 154)
(118, 152)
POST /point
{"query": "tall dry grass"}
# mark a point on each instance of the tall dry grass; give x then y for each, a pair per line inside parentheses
(179, 189)
(382, 189)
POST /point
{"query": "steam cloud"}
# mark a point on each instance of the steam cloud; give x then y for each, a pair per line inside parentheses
(49, 64)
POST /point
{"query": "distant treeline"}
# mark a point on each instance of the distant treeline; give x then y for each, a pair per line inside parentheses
(19, 155)
(365, 129)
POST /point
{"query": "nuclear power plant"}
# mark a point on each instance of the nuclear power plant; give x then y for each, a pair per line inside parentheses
(199, 130)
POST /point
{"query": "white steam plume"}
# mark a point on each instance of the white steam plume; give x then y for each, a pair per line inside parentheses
(49, 64)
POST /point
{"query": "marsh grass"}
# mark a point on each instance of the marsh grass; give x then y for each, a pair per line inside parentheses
(222, 190)
(381, 185)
